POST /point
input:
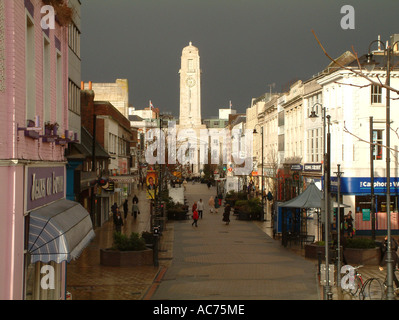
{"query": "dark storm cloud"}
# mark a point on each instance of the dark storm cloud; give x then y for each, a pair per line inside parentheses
(244, 45)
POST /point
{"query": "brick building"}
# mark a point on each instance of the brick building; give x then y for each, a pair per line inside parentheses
(113, 133)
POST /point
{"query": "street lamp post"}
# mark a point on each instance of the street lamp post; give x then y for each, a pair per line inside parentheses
(262, 218)
(369, 66)
(326, 194)
(339, 174)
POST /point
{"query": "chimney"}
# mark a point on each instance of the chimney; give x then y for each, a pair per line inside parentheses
(90, 85)
(82, 85)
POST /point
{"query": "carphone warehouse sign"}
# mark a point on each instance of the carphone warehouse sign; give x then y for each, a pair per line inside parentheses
(363, 185)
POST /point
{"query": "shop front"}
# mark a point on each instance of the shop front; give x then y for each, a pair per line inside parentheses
(56, 231)
(124, 185)
(356, 192)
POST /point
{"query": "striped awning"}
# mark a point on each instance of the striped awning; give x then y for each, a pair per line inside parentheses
(59, 232)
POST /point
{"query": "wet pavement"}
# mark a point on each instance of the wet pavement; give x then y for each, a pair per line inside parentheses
(88, 280)
(239, 261)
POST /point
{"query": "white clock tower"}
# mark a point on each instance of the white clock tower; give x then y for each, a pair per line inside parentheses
(190, 88)
(190, 106)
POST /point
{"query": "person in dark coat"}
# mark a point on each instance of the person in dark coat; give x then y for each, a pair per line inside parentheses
(349, 224)
(125, 208)
(135, 199)
(226, 214)
(118, 221)
(114, 207)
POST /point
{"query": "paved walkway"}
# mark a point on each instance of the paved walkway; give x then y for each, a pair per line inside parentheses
(213, 261)
(88, 280)
(232, 262)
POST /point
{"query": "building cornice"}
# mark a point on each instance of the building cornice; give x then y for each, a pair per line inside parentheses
(22, 162)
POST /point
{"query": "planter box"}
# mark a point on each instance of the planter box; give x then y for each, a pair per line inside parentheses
(312, 250)
(115, 258)
(177, 215)
(363, 256)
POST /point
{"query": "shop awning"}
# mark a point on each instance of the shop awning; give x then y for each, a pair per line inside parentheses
(59, 232)
(312, 197)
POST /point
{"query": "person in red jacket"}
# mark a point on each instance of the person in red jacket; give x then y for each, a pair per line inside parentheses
(195, 218)
(194, 208)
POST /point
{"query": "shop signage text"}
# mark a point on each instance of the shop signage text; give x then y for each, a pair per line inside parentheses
(362, 185)
(312, 167)
(46, 186)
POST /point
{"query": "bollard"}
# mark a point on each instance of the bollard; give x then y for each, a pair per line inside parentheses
(156, 231)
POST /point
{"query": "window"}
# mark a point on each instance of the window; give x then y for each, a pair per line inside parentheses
(314, 145)
(377, 138)
(73, 97)
(364, 202)
(74, 39)
(376, 94)
(190, 65)
(280, 143)
(59, 115)
(34, 289)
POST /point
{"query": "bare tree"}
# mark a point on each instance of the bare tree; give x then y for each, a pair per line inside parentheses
(371, 82)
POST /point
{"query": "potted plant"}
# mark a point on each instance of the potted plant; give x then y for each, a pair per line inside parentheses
(126, 251)
(362, 251)
(232, 197)
(248, 209)
(241, 209)
(50, 129)
(176, 211)
(312, 250)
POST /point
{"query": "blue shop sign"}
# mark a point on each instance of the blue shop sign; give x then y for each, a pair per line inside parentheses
(296, 167)
(363, 185)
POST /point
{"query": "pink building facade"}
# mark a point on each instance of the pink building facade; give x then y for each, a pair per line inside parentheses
(36, 237)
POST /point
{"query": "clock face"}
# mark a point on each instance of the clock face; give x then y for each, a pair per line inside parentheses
(190, 82)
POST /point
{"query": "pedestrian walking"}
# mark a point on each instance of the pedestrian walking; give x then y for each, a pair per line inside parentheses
(211, 204)
(200, 207)
(220, 198)
(226, 214)
(114, 207)
(195, 218)
(125, 208)
(216, 204)
(194, 208)
(118, 221)
(135, 199)
(349, 224)
(135, 210)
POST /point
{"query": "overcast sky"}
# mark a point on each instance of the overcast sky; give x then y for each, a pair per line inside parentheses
(244, 45)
